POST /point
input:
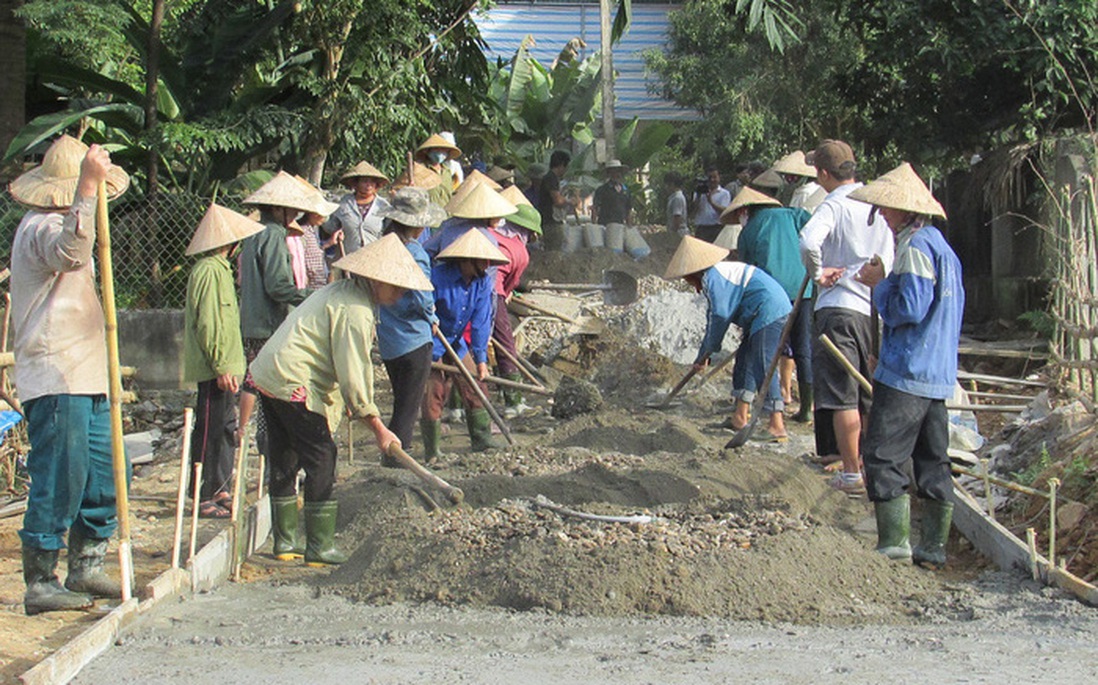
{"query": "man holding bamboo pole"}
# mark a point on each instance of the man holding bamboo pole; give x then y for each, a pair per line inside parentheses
(61, 374)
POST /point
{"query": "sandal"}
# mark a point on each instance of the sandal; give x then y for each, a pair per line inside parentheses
(212, 510)
(224, 500)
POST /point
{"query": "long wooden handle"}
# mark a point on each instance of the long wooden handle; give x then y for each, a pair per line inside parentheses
(114, 375)
(181, 495)
(544, 310)
(513, 358)
(845, 363)
(476, 388)
(454, 494)
(495, 380)
(678, 387)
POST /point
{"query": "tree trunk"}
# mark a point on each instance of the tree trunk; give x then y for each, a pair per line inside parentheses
(152, 169)
(13, 65)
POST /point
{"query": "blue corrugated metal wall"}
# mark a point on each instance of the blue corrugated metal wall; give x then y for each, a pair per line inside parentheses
(553, 24)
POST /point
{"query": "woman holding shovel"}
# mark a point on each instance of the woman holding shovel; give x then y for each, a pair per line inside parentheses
(744, 295)
(317, 362)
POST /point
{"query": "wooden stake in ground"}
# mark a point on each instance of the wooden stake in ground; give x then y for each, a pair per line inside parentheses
(114, 374)
(194, 513)
(181, 497)
(239, 490)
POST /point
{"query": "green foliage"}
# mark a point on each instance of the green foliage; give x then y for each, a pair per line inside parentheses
(1030, 474)
(1039, 321)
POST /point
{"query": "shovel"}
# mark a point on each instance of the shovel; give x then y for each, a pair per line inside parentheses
(453, 493)
(666, 401)
(618, 287)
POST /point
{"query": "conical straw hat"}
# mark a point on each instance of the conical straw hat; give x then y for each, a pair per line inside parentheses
(366, 169)
(283, 191)
(422, 177)
(487, 180)
(515, 196)
(473, 245)
(794, 163)
(52, 184)
(748, 197)
(692, 256)
(438, 141)
(768, 179)
(321, 206)
(482, 203)
(900, 189)
(386, 260)
(221, 226)
(498, 173)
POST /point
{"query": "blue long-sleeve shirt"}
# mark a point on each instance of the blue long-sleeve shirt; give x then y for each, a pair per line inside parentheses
(739, 294)
(406, 325)
(921, 304)
(458, 304)
(771, 240)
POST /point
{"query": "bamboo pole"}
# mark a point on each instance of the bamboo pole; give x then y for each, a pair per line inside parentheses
(181, 496)
(239, 489)
(194, 513)
(118, 448)
(985, 466)
(495, 380)
(1053, 483)
(350, 440)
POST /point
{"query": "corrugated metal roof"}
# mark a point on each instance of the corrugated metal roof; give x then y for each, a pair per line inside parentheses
(553, 24)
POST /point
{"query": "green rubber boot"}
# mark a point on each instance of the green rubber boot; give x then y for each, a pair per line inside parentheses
(44, 591)
(287, 546)
(86, 574)
(431, 431)
(931, 550)
(894, 527)
(804, 414)
(514, 404)
(480, 431)
(320, 524)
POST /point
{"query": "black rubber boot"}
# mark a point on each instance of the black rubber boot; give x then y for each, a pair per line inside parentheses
(480, 431)
(894, 527)
(804, 414)
(44, 591)
(284, 529)
(931, 551)
(86, 574)
(320, 524)
(431, 431)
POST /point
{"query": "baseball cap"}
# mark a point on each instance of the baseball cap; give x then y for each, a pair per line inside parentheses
(832, 155)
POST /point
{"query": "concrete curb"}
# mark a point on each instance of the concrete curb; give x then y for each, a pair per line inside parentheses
(210, 567)
(1008, 552)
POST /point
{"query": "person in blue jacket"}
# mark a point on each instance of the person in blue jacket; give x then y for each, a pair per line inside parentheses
(404, 329)
(744, 295)
(770, 240)
(921, 303)
(464, 293)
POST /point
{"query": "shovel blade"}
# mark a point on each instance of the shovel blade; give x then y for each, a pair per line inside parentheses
(622, 288)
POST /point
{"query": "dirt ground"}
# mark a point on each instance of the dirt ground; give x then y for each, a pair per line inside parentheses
(750, 565)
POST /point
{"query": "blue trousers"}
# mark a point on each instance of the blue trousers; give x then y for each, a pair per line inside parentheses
(72, 479)
(752, 360)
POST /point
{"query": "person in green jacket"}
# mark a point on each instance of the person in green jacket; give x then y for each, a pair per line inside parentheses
(315, 370)
(267, 288)
(213, 354)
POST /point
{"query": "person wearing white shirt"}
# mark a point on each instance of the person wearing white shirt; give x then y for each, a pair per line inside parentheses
(709, 205)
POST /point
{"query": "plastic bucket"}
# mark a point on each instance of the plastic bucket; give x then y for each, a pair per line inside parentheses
(615, 237)
(635, 244)
(573, 238)
(593, 235)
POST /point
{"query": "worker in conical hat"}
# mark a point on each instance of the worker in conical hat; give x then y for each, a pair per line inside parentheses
(747, 296)
(357, 221)
(61, 375)
(770, 240)
(314, 370)
(435, 153)
(921, 303)
(464, 294)
(404, 330)
(800, 176)
(213, 353)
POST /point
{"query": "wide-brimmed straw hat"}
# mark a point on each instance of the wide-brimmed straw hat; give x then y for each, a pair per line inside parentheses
(388, 261)
(527, 217)
(614, 164)
(478, 177)
(474, 179)
(437, 141)
(692, 256)
(364, 169)
(284, 191)
(474, 245)
(515, 196)
(768, 179)
(413, 207)
(52, 184)
(499, 174)
(422, 177)
(748, 197)
(321, 205)
(481, 203)
(221, 226)
(794, 163)
(900, 189)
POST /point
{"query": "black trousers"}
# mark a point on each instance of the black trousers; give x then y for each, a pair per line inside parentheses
(298, 439)
(408, 375)
(906, 428)
(213, 440)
